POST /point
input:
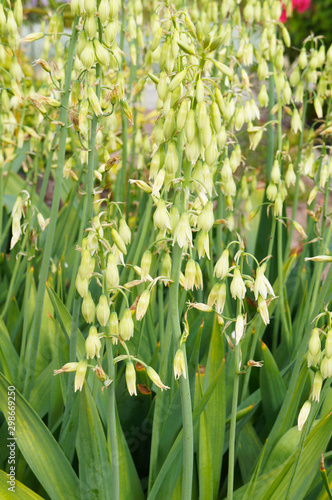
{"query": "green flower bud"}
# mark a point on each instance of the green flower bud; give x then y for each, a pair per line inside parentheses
(179, 364)
(90, 7)
(114, 324)
(316, 387)
(177, 80)
(314, 342)
(82, 285)
(190, 274)
(126, 328)
(118, 241)
(303, 415)
(182, 232)
(87, 55)
(202, 116)
(263, 310)
(101, 53)
(18, 12)
(142, 305)
(326, 367)
(110, 32)
(278, 206)
(328, 344)
(92, 344)
(239, 328)
(237, 288)
(200, 91)
(103, 310)
(94, 102)
(198, 277)
(211, 153)
(124, 231)
(295, 77)
(153, 375)
(91, 27)
(303, 60)
(11, 23)
(299, 92)
(203, 245)
(217, 297)
(290, 176)
(162, 86)
(182, 115)
(190, 127)
(112, 273)
(296, 123)
(275, 172)
(88, 308)
(80, 375)
(131, 378)
(222, 266)
(318, 107)
(3, 19)
(161, 216)
(169, 125)
(216, 117)
(205, 219)
(263, 97)
(146, 264)
(104, 11)
(286, 94)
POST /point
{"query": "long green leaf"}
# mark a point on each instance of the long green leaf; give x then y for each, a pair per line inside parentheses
(39, 448)
(20, 491)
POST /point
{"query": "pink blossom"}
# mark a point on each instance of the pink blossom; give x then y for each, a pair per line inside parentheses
(299, 5)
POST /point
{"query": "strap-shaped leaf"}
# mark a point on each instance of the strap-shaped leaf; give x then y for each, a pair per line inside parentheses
(39, 448)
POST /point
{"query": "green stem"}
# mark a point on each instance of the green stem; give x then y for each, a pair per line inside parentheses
(111, 420)
(270, 130)
(232, 431)
(298, 176)
(281, 288)
(188, 438)
(53, 218)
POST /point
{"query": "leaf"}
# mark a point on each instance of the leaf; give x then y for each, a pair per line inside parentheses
(8, 355)
(21, 492)
(272, 387)
(39, 448)
(94, 463)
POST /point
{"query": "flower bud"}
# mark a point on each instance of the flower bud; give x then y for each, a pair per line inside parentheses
(239, 328)
(275, 172)
(162, 86)
(103, 310)
(217, 297)
(182, 232)
(169, 125)
(92, 344)
(296, 123)
(114, 324)
(94, 102)
(263, 310)
(101, 53)
(11, 23)
(131, 378)
(177, 80)
(112, 273)
(203, 245)
(145, 265)
(118, 241)
(303, 60)
(190, 127)
(211, 153)
(126, 328)
(87, 55)
(172, 159)
(317, 386)
(303, 415)
(166, 266)
(237, 288)
(295, 77)
(182, 115)
(80, 375)
(190, 274)
(142, 305)
(153, 375)
(161, 218)
(318, 107)
(124, 231)
(91, 27)
(205, 219)
(263, 97)
(110, 32)
(222, 266)
(90, 7)
(88, 308)
(328, 344)
(314, 342)
(179, 364)
(326, 367)
(104, 11)
(82, 285)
